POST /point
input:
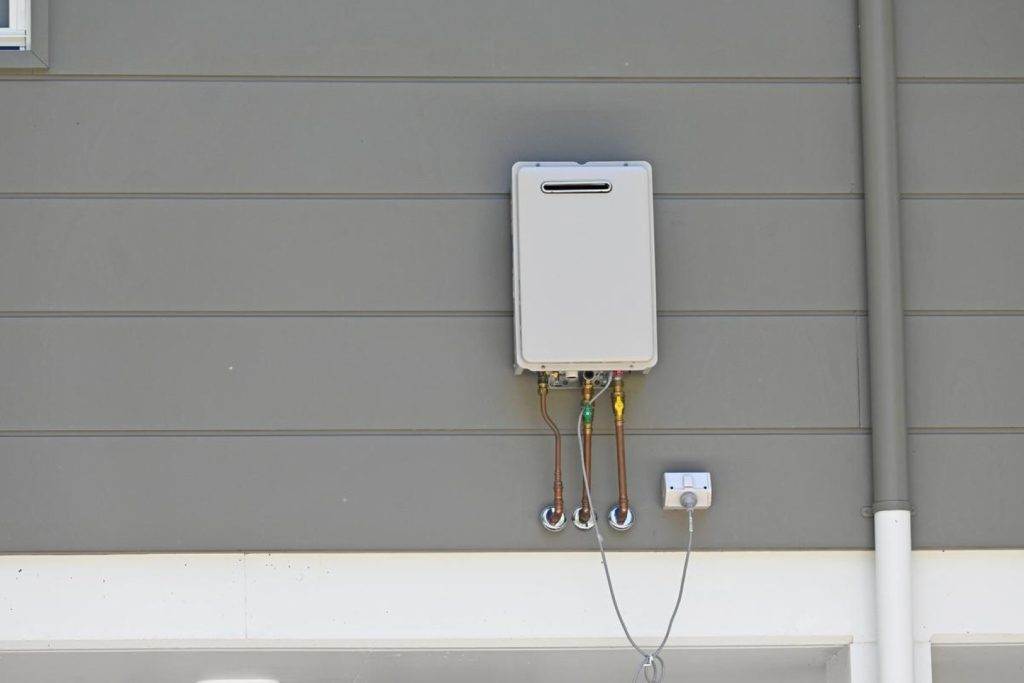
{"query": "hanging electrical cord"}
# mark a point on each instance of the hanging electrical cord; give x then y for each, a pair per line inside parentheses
(652, 667)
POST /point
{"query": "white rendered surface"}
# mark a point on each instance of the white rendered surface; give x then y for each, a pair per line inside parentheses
(464, 600)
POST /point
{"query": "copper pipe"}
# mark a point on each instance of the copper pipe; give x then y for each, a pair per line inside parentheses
(588, 433)
(559, 504)
(619, 408)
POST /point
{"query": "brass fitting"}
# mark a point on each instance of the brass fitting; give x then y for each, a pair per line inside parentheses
(583, 517)
(618, 400)
(588, 396)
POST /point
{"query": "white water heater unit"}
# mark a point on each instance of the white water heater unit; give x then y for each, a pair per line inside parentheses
(583, 266)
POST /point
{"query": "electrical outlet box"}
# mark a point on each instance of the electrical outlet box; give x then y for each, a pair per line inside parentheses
(675, 484)
(583, 266)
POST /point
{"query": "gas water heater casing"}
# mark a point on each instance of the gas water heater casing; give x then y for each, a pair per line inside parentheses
(583, 266)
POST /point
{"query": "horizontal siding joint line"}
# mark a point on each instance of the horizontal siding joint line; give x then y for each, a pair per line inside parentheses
(520, 79)
(964, 313)
(504, 196)
(507, 432)
(960, 80)
(696, 431)
(710, 313)
(966, 430)
(440, 79)
(962, 195)
(666, 314)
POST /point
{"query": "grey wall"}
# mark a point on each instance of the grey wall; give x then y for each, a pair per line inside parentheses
(713, 665)
(977, 663)
(255, 270)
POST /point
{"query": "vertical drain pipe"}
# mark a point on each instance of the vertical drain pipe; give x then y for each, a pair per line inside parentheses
(893, 607)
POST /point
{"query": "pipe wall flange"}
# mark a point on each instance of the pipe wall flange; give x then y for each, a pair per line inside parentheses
(579, 523)
(613, 519)
(545, 519)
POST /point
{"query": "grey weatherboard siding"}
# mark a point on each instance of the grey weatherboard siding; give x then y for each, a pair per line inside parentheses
(252, 275)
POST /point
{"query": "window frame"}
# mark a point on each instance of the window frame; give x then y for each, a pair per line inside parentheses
(17, 34)
(29, 32)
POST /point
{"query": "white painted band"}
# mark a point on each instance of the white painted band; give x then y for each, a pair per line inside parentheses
(392, 600)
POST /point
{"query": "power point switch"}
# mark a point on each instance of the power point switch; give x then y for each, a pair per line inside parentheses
(680, 488)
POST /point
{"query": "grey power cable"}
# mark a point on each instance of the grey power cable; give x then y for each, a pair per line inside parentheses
(653, 666)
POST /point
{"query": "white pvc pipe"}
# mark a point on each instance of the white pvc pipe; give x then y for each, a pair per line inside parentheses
(893, 602)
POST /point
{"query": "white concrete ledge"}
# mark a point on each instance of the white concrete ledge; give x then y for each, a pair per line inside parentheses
(398, 601)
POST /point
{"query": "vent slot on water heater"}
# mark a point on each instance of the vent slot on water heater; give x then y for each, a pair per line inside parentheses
(575, 186)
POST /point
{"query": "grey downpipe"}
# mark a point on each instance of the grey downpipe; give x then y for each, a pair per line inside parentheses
(884, 268)
(890, 475)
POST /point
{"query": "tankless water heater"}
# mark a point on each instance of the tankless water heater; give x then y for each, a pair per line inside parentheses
(583, 266)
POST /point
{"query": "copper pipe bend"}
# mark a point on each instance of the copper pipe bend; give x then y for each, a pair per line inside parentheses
(553, 516)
